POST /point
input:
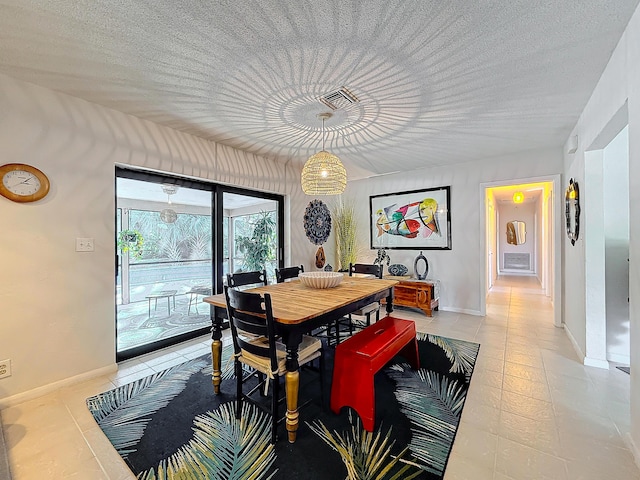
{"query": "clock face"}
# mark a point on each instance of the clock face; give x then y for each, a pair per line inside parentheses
(23, 183)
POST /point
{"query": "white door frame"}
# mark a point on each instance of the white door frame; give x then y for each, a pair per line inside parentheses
(595, 354)
(553, 263)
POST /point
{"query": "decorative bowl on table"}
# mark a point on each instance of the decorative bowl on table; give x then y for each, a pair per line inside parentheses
(320, 279)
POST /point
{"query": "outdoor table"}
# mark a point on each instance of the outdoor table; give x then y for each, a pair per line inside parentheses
(168, 294)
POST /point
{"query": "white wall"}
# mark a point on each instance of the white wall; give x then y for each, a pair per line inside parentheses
(618, 90)
(461, 269)
(616, 235)
(526, 213)
(58, 313)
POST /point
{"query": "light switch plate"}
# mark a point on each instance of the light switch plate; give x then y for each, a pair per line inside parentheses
(84, 244)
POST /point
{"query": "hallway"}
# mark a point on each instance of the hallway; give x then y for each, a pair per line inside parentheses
(533, 411)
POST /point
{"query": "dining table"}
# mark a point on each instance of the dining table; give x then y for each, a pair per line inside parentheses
(298, 310)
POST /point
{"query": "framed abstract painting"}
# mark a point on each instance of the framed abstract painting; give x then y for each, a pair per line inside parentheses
(420, 219)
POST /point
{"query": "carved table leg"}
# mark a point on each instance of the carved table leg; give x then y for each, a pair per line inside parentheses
(292, 384)
(216, 353)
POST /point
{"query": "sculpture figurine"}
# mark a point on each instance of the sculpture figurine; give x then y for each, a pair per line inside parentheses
(320, 258)
(420, 275)
(382, 257)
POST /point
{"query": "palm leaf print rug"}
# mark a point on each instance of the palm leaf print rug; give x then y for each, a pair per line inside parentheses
(170, 425)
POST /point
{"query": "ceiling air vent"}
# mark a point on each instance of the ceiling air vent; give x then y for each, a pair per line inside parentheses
(339, 99)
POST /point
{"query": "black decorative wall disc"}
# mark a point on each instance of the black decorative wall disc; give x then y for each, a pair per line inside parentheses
(317, 222)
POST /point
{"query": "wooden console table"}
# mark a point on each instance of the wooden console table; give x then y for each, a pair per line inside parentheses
(411, 292)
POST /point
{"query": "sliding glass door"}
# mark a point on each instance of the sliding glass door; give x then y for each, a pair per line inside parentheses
(251, 234)
(176, 240)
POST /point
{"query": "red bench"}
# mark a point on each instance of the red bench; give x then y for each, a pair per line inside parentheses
(358, 358)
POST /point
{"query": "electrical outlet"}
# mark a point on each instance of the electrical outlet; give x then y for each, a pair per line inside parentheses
(84, 244)
(5, 368)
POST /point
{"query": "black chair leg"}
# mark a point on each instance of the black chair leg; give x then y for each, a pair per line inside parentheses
(322, 379)
(261, 382)
(238, 370)
(275, 395)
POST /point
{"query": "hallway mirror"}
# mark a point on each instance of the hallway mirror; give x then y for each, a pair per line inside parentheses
(516, 232)
(572, 211)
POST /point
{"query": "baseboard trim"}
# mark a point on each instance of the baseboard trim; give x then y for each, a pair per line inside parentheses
(522, 273)
(40, 391)
(596, 362)
(619, 358)
(635, 451)
(477, 313)
(589, 362)
(576, 347)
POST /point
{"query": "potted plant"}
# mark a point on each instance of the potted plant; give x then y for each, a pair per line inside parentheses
(257, 248)
(131, 241)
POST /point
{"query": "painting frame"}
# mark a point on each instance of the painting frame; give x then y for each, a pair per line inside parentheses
(411, 220)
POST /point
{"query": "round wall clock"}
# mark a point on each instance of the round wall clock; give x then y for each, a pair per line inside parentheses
(23, 183)
(317, 222)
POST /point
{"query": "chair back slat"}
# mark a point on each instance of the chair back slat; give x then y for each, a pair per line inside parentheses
(241, 279)
(251, 313)
(286, 273)
(365, 268)
(246, 346)
(251, 324)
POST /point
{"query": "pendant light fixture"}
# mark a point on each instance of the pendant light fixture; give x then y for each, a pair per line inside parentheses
(168, 215)
(323, 174)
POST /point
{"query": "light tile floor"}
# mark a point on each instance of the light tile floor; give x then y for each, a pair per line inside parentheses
(533, 411)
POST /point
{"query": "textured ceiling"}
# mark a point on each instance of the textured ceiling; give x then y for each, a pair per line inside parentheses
(437, 82)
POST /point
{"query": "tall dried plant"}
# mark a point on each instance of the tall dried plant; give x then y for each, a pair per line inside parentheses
(346, 232)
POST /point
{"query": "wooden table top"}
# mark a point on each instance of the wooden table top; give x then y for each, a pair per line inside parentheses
(294, 302)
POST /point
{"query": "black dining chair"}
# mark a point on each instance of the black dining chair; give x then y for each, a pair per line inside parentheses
(243, 279)
(255, 346)
(366, 269)
(286, 273)
(367, 310)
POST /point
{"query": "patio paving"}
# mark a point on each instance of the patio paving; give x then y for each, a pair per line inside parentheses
(136, 327)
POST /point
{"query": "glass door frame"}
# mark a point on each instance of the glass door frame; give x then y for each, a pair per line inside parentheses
(217, 212)
(218, 234)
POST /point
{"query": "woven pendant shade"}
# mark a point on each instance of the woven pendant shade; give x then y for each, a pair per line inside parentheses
(323, 174)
